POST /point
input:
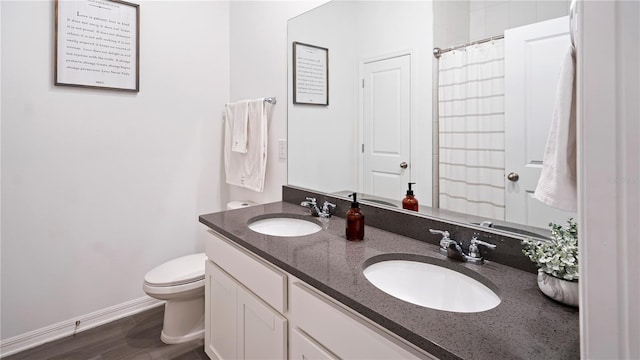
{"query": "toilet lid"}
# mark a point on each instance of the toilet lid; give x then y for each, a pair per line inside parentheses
(178, 271)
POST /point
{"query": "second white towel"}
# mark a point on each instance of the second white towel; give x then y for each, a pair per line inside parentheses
(557, 184)
(237, 118)
(248, 169)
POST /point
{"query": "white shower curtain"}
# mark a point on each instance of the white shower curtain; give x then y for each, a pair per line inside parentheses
(471, 123)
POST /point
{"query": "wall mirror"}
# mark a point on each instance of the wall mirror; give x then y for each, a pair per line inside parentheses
(384, 127)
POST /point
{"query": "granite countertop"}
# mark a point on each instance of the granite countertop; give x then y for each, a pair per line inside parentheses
(525, 325)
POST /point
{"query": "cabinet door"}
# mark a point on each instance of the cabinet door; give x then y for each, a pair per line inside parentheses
(303, 348)
(220, 314)
(262, 331)
(263, 279)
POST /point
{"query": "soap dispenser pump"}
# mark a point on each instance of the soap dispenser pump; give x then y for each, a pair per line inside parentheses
(410, 202)
(355, 221)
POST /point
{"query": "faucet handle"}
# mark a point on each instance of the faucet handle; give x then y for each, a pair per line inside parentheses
(445, 234)
(327, 206)
(445, 241)
(474, 251)
(328, 209)
(311, 200)
(486, 223)
(475, 241)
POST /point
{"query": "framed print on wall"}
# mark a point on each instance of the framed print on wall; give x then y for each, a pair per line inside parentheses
(310, 74)
(97, 44)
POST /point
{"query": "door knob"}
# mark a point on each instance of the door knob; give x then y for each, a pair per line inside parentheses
(513, 176)
(403, 165)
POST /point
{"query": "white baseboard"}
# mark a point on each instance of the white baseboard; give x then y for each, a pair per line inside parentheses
(66, 328)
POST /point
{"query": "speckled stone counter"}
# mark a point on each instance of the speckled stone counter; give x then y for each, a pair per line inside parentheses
(526, 324)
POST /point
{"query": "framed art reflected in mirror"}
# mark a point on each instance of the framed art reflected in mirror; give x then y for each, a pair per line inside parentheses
(310, 74)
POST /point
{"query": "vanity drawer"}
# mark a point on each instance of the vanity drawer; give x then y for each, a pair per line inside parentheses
(342, 332)
(255, 274)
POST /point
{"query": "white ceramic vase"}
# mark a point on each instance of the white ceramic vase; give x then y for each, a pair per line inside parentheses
(561, 290)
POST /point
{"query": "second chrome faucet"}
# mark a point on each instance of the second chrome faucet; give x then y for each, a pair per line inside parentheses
(453, 249)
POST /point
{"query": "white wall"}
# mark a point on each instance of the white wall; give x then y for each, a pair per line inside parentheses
(608, 44)
(491, 18)
(258, 55)
(459, 22)
(323, 139)
(0, 174)
(100, 186)
(450, 23)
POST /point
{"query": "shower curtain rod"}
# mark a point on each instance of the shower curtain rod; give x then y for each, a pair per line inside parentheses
(437, 51)
(270, 100)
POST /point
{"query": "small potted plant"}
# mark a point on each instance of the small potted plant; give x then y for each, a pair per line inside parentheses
(557, 260)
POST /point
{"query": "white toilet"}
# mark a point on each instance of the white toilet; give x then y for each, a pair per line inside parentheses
(180, 282)
(232, 205)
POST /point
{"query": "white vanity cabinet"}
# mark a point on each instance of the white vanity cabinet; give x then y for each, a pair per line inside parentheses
(239, 325)
(240, 322)
(255, 310)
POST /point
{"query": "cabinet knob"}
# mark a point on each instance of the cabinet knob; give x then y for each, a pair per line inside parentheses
(404, 165)
(513, 176)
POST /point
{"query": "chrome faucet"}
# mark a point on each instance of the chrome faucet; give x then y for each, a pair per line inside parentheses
(452, 249)
(327, 210)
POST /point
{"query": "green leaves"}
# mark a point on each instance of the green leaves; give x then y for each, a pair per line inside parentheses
(559, 255)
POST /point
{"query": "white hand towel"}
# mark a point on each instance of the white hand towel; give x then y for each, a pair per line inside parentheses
(557, 184)
(238, 116)
(248, 169)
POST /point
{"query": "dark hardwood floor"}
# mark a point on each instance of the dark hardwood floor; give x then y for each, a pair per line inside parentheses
(136, 337)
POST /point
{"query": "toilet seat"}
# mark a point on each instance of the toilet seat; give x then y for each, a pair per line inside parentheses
(166, 292)
(182, 272)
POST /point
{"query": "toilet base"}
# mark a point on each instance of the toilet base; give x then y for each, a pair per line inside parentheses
(181, 339)
(183, 320)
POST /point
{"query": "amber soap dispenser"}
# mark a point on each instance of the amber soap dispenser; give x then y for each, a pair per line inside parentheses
(355, 221)
(410, 202)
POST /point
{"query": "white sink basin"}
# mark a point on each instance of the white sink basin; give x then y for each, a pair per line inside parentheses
(284, 226)
(431, 286)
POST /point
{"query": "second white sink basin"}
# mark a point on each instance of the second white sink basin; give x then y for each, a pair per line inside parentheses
(431, 286)
(284, 226)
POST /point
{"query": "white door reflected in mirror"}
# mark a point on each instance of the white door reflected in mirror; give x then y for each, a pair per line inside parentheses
(386, 127)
